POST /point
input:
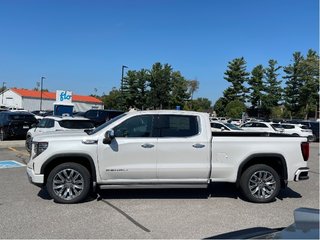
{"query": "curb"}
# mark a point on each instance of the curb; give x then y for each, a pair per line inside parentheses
(16, 143)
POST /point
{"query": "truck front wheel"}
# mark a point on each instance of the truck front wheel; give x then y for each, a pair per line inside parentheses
(69, 183)
(260, 183)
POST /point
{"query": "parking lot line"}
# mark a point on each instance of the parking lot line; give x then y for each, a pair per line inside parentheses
(15, 150)
(125, 215)
(10, 164)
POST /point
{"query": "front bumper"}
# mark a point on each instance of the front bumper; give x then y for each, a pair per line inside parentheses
(36, 179)
(301, 174)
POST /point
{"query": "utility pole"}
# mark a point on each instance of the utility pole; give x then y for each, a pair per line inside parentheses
(41, 87)
(123, 67)
(3, 83)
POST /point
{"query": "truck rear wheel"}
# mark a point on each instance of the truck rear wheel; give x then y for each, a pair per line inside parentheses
(69, 183)
(260, 183)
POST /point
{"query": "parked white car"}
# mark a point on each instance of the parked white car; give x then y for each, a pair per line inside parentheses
(165, 149)
(261, 127)
(298, 130)
(57, 123)
(234, 121)
(218, 126)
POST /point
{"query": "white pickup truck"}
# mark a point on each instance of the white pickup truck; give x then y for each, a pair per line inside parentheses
(165, 149)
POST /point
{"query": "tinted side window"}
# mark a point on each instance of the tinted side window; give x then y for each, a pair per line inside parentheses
(177, 126)
(216, 125)
(288, 126)
(50, 123)
(42, 123)
(261, 125)
(92, 114)
(248, 125)
(138, 126)
(76, 124)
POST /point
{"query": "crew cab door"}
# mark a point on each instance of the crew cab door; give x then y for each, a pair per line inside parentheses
(183, 150)
(131, 156)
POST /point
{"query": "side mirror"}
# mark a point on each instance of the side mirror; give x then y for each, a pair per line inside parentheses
(108, 136)
(34, 125)
(222, 129)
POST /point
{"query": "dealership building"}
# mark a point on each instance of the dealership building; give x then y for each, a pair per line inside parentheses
(30, 100)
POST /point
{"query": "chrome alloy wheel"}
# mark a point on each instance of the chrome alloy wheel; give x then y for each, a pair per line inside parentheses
(262, 184)
(68, 184)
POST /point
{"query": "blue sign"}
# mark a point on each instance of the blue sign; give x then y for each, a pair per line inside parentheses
(10, 164)
(64, 96)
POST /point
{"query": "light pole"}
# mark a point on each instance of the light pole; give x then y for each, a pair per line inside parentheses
(123, 67)
(41, 85)
(3, 83)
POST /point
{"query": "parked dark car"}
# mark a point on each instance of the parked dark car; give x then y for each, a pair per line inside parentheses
(314, 125)
(15, 124)
(99, 116)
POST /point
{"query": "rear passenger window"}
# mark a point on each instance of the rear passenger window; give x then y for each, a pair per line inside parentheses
(176, 126)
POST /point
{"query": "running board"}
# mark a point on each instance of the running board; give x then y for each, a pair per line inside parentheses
(152, 186)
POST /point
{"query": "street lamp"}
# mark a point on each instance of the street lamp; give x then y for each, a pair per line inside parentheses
(123, 67)
(41, 84)
(3, 83)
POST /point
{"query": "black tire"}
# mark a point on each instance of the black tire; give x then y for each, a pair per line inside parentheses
(312, 138)
(3, 134)
(260, 183)
(28, 143)
(69, 183)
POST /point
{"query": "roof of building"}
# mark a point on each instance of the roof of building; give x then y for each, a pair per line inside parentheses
(52, 96)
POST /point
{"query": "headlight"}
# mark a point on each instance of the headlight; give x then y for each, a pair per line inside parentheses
(39, 147)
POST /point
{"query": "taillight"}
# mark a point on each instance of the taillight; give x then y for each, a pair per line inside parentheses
(305, 150)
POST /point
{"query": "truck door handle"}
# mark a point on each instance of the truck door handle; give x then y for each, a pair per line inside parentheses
(198, 145)
(147, 145)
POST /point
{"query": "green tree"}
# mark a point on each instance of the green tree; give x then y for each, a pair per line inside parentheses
(256, 86)
(220, 106)
(273, 85)
(199, 104)
(160, 86)
(234, 109)
(142, 83)
(113, 100)
(309, 92)
(179, 92)
(294, 82)
(276, 112)
(237, 75)
(135, 93)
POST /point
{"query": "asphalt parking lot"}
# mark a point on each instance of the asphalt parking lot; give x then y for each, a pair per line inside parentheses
(26, 211)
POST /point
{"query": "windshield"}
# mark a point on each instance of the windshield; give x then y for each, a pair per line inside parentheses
(26, 117)
(233, 127)
(106, 124)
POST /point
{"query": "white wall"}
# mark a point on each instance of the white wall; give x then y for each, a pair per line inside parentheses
(10, 99)
(33, 104)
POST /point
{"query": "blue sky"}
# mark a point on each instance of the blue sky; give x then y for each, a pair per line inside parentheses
(81, 45)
